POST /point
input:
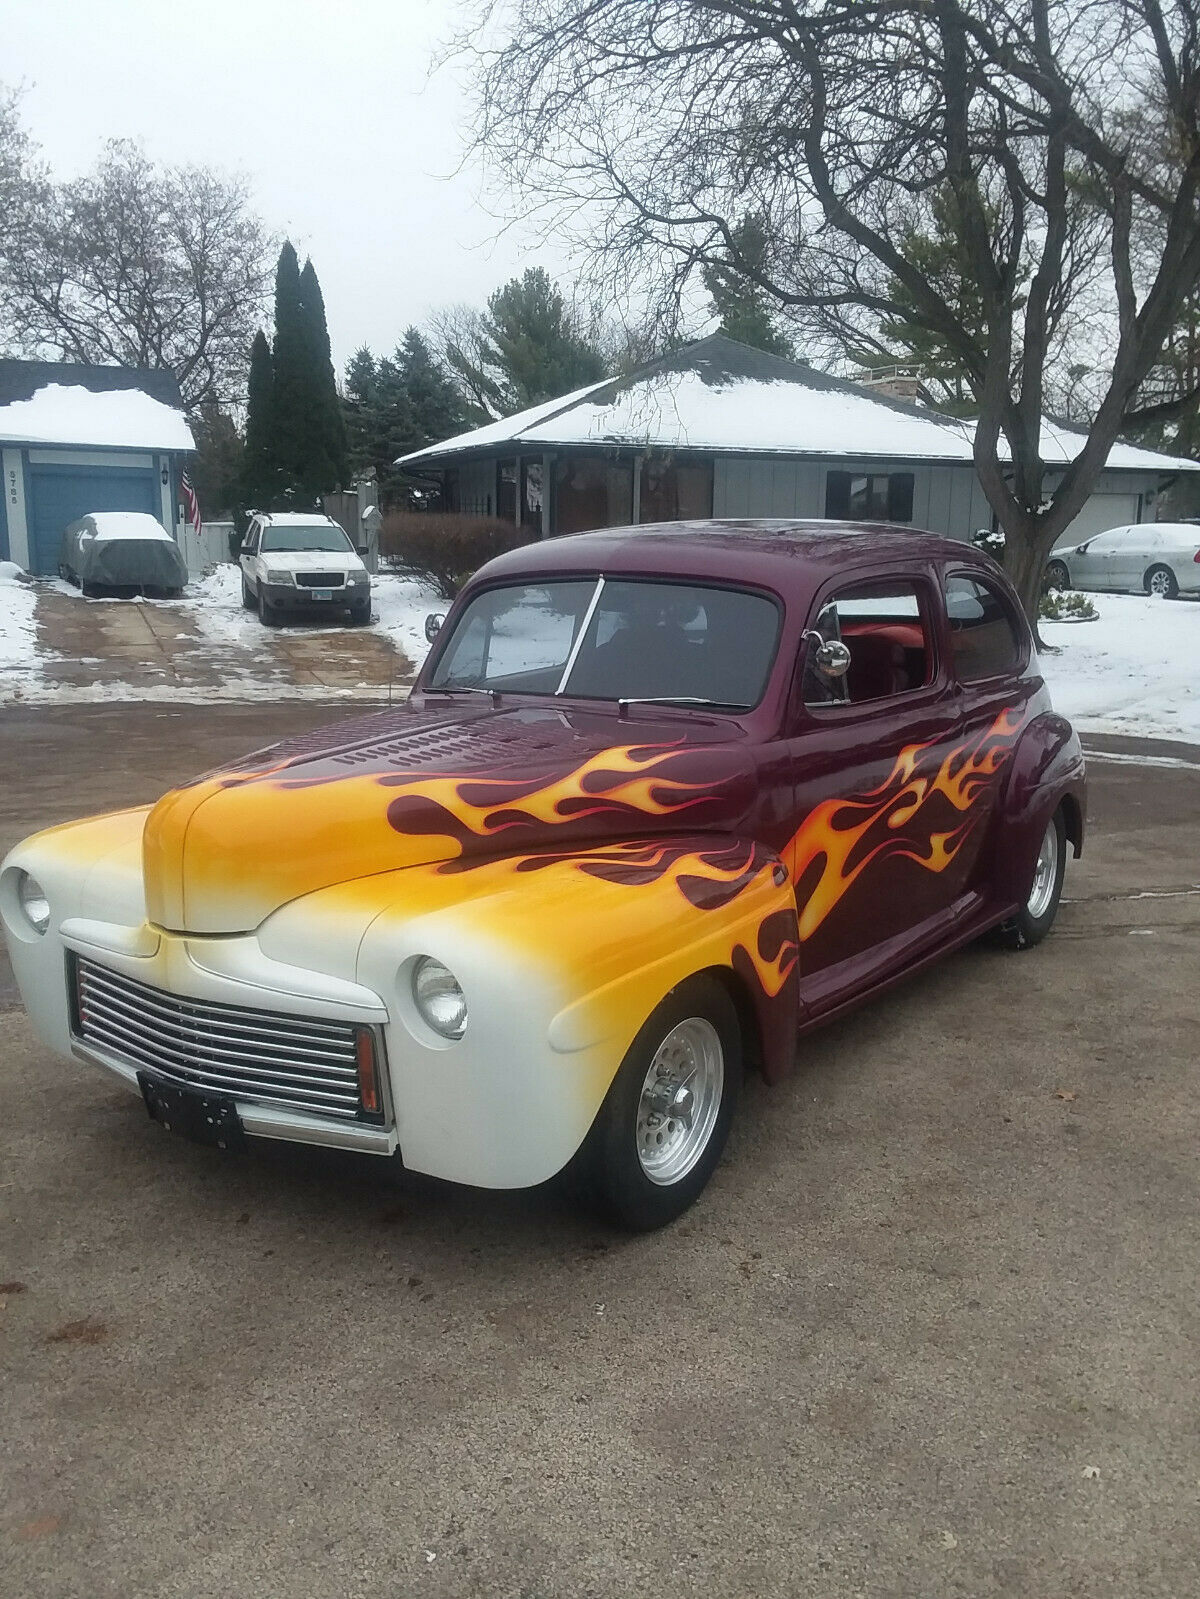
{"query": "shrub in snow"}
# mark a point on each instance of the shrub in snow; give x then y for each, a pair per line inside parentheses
(991, 543)
(445, 548)
(1057, 606)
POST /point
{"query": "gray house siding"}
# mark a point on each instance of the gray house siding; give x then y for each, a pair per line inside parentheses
(946, 499)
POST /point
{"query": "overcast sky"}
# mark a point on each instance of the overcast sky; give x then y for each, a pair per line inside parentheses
(350, 146)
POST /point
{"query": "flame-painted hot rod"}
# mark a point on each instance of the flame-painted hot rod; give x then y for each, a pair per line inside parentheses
(661, 800)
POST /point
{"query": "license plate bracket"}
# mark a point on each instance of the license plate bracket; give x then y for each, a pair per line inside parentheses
(203, 1118)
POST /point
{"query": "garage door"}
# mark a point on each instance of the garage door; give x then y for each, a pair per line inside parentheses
(1101, 512)
(62, 494)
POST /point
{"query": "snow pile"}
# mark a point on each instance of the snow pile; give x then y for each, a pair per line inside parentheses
(400, 606)
(1133, 672)
(110, 525)
(18, 631)
(67, 413)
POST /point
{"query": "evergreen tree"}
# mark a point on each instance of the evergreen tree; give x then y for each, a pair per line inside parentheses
(259, 477)
(325, 464)
(216, 469)
(743, 307)
(396, 404)
(527, 348)
(436, 408)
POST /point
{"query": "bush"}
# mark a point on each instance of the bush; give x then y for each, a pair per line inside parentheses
(445, 548)
(1057, 606)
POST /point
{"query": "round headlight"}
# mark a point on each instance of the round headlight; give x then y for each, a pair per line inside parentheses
(33, 901)
(438, 997)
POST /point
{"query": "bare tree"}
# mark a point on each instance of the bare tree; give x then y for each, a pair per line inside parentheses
(648, 127)
(138, 265)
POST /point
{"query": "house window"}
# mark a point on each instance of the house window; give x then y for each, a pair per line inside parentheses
(506, 490)
(590, 491)
(675, 491)
(869, 496)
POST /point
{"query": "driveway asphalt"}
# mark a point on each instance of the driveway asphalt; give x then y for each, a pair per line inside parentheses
(932, 1331)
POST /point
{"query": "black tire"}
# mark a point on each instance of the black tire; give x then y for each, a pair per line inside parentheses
(1057, 575)
(1031, 923)
(360, 615)
(613, 1172)
(1161, 580)
(266, 612)
(248, 600)
(88, 590)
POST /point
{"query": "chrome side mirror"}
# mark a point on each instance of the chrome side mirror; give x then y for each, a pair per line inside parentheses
(831, 657)
(433, 625)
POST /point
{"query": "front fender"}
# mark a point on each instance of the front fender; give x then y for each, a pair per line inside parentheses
(1046, 770)
(561, 958)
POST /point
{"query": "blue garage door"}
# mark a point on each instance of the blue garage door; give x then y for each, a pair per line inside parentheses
(62, 494)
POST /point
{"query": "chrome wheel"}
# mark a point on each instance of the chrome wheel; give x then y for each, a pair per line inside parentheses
(680, 1100)
(1045, 877)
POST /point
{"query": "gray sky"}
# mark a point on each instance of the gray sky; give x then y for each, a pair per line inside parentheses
(327, 107)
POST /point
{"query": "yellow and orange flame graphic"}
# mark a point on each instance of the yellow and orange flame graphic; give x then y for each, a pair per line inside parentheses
(841, 838)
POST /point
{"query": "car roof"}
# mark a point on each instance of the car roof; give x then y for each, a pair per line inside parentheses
(296, 518)
(786, 556)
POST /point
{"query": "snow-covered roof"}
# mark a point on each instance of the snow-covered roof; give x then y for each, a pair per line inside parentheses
(723, 396)
(297, 519)
(110, 525)
(70, 413)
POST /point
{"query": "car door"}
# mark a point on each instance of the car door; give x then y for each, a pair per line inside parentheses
(248, 558)
(1096, 564)
(989, 646)
(874, 882)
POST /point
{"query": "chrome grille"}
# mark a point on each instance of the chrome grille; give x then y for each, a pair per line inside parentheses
(320, 580)
(300, 1062)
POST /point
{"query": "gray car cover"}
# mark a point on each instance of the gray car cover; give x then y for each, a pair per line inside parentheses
(122, 550)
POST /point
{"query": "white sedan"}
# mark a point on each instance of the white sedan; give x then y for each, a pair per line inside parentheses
(1155, 557)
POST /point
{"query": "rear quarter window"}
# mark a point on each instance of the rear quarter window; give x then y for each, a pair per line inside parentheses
(985, 638)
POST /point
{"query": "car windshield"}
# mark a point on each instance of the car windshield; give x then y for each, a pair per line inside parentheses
(316, 536)
(615, 639)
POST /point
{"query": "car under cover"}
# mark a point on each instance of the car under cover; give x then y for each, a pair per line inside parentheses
(123, 549)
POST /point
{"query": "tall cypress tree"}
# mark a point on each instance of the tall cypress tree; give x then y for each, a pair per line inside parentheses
(325, 466)
(290, 396)
(259, 465)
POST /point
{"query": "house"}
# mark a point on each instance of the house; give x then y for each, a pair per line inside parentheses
(720, 429)
(77, 438)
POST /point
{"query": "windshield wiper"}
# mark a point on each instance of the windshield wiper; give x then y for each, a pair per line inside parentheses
(676, 699)
(465, 688)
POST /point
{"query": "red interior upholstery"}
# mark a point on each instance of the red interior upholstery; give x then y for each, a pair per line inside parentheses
(885, 658)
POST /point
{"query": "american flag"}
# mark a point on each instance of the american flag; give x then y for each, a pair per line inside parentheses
(190, 500)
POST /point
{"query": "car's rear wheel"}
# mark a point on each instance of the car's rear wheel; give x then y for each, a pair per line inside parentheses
(248, 600)
(1162, 581)
(1036, 917)
(662, 1128)
(1057, 576)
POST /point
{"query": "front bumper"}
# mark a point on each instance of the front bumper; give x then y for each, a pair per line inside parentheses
(292, 597)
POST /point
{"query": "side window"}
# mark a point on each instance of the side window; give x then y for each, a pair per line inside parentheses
(984, 640)
(885, 629)
(869, 497)
(252, 537)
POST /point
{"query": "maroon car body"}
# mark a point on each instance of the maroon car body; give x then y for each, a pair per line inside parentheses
(776, 767)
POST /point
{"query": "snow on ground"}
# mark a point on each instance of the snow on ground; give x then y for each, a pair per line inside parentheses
(234, 656)
(17, 630)
(1136, 671)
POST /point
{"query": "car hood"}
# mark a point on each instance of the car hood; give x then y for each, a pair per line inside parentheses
(312, 561)
(430, 784)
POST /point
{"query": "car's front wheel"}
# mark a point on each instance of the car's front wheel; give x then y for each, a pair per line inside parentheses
(1162, 581)
(360, 614)
(248, 600)
(267, 613)
(664, 1123)
(1036, 917)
